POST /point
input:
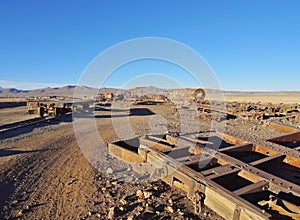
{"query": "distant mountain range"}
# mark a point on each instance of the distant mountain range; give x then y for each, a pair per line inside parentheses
(82, 90)
(57, 91)
(87, 91)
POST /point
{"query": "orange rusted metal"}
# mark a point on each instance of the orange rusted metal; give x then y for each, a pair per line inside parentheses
(241, 180)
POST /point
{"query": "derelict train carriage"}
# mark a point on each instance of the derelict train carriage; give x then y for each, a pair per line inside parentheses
(55, 108)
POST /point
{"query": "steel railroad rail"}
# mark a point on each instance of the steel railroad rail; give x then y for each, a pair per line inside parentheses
(23, 124)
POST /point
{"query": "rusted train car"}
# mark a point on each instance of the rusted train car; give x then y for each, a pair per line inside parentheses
(56, 108)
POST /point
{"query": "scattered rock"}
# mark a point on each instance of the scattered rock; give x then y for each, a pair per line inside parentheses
(107, 195)
(123, 201)
(150, 201)
(149, 209)
(139, 208)
(130, 179)
(14, 202)
(114, 183)
(111, 213)
(147, 194)
(109, 170)
(139, 193)
(19, 213)
(170, 209)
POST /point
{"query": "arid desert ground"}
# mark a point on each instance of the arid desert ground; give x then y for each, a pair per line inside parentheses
(45, 175)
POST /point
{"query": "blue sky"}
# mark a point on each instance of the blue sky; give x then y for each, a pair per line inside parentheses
(251, 45)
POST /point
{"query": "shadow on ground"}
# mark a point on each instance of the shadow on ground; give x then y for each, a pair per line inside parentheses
(127, 113)
(31, 127)
(9, 152)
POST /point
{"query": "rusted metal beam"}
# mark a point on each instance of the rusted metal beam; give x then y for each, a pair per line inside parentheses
(267, 159)
(231, 139)
(124, 154)
(220, 171)
(255, 187)
(156, 145)
(198, 169)
(245, 147)
(214, 194)
(282, 128)
(292, 137)
(200, 159)
(195, 140)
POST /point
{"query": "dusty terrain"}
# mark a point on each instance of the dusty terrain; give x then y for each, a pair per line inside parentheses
(15, 114)
(264, 98)
(45, 175)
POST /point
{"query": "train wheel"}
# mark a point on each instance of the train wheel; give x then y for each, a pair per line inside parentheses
(58, 112)
(41, 111)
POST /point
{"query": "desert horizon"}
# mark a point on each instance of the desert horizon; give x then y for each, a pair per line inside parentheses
(164, 110)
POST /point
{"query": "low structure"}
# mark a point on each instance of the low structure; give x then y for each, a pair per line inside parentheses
(237, 179)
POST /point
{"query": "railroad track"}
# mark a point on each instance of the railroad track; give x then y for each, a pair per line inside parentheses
(22, 124)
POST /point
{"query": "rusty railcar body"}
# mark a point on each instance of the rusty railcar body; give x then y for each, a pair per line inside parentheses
(189, 94)
(238, 180)
(257, 111)
(56, 108)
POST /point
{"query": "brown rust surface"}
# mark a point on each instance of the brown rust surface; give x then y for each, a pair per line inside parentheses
(233, 176)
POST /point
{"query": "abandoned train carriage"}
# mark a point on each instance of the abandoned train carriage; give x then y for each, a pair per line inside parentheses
(55, 108)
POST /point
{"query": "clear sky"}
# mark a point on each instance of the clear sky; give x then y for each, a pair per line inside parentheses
(251, 45)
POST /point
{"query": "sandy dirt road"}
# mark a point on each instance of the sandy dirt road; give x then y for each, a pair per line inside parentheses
(44, 175)
(39, 174)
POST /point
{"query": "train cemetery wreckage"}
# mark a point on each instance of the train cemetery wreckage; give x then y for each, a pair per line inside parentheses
(235, 178)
